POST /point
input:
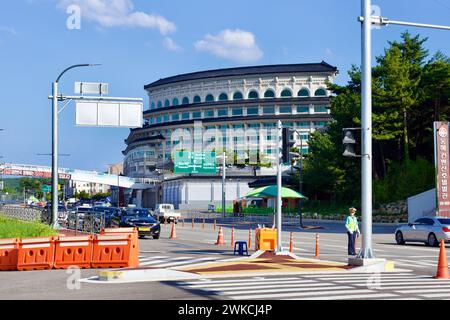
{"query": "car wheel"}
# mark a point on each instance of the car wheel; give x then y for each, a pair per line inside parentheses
(156, 237)
(399, 238)
(141, 237)
(432, 240)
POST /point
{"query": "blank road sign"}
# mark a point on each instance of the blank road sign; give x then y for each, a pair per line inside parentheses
(91, 88)
(109, 114)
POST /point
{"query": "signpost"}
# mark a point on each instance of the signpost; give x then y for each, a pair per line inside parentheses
(195, 162)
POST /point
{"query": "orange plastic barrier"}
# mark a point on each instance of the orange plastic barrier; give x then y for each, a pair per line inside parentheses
(9, 249)
(36, 253)
(134, 240)
(265, 239)
(115, 251)
(73, 251)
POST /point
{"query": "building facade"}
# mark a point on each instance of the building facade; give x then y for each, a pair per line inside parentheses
(230, 103)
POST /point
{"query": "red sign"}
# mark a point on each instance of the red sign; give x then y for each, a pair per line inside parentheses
(39, 174)
(442, 168)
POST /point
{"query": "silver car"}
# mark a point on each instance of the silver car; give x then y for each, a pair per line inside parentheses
(429, 230)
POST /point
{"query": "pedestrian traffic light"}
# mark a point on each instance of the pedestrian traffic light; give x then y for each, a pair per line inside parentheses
(287, 144)
(350, 141)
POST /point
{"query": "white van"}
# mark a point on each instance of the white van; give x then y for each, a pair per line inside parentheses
(166, 213)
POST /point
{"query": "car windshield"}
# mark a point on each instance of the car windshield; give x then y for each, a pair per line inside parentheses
(444, 221)
(141, 213)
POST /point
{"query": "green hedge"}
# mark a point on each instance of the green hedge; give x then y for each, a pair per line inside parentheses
(12, 228)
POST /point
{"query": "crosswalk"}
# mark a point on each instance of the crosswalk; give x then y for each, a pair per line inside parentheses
(325, 286)
(163, 261)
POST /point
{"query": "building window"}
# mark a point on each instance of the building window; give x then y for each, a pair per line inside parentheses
(175, 101)
(166, 117)
(285, 109)
(209, 98)
(320, 93)
(175, 117)
(303, 93)
(237, 96)
(196, 115)
(185, 100)
(320, 109)
(158, 119)
(253, 95)
(222, 113)
(209, 114)
(253, 111)
(304, 136)
(288, 124)
(302, 109)
(268, 110)
(185, 116)
(269, 94)
(223, 97)
(159, 104)
(286, 93)
(153, 105)
(303, 124)
(197, 99)
(319, 124)
(167, 103)
(237, 112)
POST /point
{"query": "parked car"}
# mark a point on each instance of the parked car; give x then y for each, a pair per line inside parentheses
(46, 214)
(166, 212)
(108, 216)
(428, 230)
(143, 220)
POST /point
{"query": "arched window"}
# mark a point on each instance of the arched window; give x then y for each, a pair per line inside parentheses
(185, 100)
(159, 104)
(167, 103)
(209, 98)
(153, 105)
(197, 99)
(303, 93)
(223, 97)
(269, 94)
(320, 92)
(237, 96)
(175, 101)
(286, 93)
(253, 95)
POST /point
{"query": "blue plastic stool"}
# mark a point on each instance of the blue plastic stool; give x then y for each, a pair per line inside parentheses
(240, 250)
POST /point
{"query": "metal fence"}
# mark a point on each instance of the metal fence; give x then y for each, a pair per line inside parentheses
(21, 213)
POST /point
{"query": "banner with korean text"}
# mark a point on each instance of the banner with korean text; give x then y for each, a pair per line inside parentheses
(442, 158)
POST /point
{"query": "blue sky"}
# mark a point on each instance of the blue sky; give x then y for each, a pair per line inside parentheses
(140, 41)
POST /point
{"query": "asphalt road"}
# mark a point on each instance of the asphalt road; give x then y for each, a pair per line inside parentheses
(197, 245)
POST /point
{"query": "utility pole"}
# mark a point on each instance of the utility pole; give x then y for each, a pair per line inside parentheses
(367, 20)
(55, 99)
(279, 185)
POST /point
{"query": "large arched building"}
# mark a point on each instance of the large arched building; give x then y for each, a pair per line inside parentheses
(242, 99)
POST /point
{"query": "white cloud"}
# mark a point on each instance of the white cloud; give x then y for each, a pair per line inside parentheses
(171, 45)
(9, 30)
(237, 45)
(113, 13)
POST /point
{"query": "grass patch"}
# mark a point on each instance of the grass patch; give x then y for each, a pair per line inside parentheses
(13, 228)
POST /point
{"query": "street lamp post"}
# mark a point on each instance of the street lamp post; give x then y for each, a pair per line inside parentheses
(55, 143)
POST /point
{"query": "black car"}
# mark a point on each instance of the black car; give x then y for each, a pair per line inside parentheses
(109, 216)
(143, 220)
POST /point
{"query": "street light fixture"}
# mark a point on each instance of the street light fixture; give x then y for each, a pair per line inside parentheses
(55, 99)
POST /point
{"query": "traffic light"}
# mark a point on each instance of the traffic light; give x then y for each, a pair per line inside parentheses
(351, 142)
(287, 144)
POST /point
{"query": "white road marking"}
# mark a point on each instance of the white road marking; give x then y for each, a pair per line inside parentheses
(251, 283)
(293, 290)
(357, 296)
(294, 294)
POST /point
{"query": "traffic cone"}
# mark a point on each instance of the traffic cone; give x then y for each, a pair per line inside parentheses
(173, 232)
(232, 237)
(250, 239)
(291, 243)
(220, 237)
(317, 245)
(442, 269)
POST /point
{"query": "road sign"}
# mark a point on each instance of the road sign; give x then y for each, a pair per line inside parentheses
(91, 88)
(109, 113)
(195, 162)
(48, 188)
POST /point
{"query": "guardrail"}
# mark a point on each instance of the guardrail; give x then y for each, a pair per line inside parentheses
(21, 213)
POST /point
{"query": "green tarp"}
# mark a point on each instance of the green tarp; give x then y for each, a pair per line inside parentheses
(271, 192)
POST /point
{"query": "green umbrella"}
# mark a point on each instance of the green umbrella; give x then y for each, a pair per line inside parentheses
(271, 192)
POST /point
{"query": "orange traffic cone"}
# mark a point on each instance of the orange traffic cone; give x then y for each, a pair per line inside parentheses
(317, 245)
(442, 269)
(220, 237)
(291, 243)
(250, 239)
(232, 237)
(173, 232)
